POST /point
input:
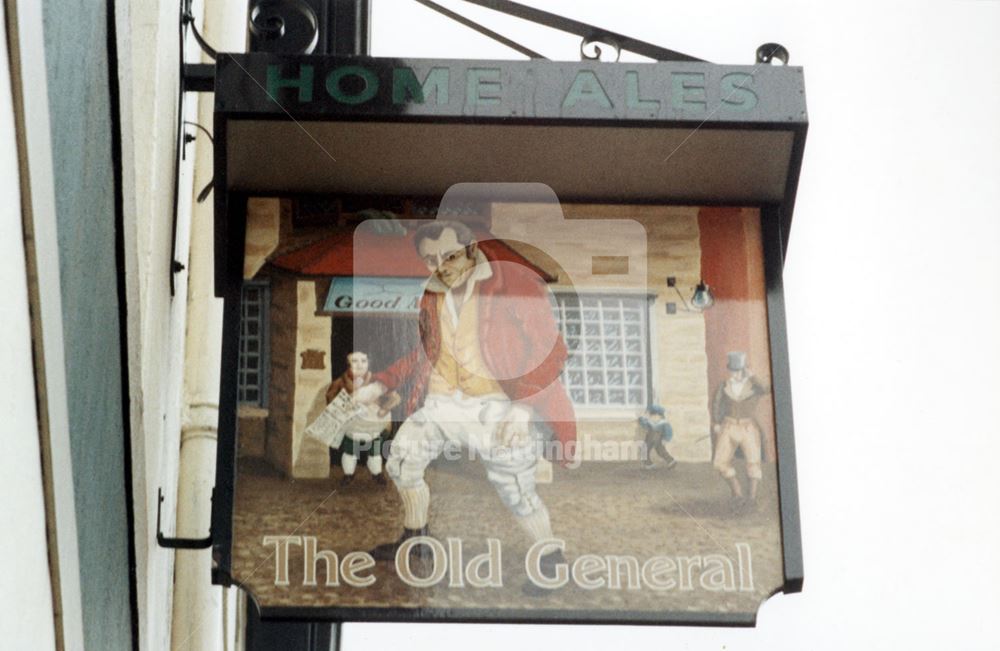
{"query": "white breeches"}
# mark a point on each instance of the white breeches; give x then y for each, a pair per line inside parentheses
(471, 423)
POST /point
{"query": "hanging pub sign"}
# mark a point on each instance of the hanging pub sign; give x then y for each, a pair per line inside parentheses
(504, 341)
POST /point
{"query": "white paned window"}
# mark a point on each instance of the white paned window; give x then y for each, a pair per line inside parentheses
(608, 341)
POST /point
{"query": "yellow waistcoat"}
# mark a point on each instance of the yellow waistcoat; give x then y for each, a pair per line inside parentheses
(460, 365)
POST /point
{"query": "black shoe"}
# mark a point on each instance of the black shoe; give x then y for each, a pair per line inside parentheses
(380, 479)
(346, 480)
(387, 551)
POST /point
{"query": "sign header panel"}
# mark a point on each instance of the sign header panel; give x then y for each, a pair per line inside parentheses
(373, 88)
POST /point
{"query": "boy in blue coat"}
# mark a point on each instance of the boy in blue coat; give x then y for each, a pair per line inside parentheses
(657, 431)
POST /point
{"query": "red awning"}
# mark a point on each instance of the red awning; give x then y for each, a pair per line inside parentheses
(380, 255)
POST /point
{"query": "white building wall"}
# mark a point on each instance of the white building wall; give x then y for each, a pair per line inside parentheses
(158, 324)
(41, 586)
(148, 80)
(26, 588)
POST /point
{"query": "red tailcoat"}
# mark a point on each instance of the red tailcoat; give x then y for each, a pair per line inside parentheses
(520, 342)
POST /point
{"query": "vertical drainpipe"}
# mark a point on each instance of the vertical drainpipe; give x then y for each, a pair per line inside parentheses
(198, 606)
(200, 609)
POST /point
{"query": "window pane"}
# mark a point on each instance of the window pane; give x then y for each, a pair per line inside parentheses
(253, 344)
(605, 336)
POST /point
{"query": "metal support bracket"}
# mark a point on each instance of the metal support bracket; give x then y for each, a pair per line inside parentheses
(177, 543)
(590, 34)
(198, 77)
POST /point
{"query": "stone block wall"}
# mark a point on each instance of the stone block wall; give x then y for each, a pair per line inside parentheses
(281, 391)
(310, 458)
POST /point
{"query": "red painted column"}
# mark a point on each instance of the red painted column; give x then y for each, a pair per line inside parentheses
(732, 264)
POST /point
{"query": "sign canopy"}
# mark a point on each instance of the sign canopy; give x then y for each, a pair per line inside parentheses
(677, 132)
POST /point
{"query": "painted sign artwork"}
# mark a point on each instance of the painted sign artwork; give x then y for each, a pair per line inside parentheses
(500, 407)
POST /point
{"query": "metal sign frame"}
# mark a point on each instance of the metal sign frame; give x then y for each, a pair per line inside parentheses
(243, 92)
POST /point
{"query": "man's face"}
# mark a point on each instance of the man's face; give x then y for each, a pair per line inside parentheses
(447, 259)
(358, 363)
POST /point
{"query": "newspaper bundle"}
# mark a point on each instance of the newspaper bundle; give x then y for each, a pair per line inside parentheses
(343, 416)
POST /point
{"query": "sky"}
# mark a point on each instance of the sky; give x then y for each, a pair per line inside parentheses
(892, 287)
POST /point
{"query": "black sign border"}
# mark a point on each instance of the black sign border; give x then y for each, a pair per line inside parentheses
(230, 225)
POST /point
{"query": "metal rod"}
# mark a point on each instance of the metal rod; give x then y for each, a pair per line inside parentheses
(590, 33)
(350, 28)
(485, 31)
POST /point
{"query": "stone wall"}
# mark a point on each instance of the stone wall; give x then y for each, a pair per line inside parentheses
(310, 458)
(263, 220)
(297, 390)
(281, 390)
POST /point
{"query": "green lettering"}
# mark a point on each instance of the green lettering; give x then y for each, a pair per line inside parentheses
(632, 99)
(406, 86)
(304, 82)
(685, 87)
(586, 87)
(336, 92)
(735, 92)
(482, 86)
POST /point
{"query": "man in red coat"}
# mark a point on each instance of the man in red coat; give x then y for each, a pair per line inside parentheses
(485, 377)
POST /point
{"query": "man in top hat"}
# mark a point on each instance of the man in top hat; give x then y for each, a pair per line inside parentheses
(734, 425)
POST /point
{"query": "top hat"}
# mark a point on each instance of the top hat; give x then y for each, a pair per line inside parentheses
(737, 361)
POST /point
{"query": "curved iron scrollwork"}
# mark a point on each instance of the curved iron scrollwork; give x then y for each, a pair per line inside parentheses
(283, 26)
(769, 52)
(590, 47)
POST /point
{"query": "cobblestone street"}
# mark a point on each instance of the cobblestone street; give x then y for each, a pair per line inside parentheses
(600, 508)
